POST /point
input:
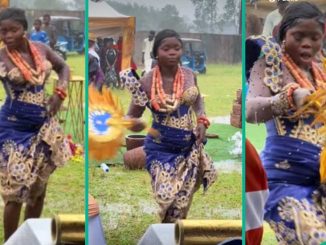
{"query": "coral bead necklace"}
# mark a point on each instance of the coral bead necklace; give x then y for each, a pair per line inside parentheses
(301, 78)
(34, 76)
(160, 101)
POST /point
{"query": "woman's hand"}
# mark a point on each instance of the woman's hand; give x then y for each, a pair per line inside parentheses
(137, 125)
(299, 96)
(200, 132)
(54, 104)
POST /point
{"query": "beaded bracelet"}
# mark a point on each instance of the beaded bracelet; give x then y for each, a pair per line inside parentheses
(291, 88)
(203, 119)
(282, 102)
(61, 93)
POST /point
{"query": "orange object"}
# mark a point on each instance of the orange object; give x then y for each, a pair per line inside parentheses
(204, 120)
(303, 81)
(159, 98)
(35, 77)
(61, 93)
(4, 3)
(290, 92)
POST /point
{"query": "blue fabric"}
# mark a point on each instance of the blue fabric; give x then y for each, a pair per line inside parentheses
(287, 126)
(20, 121)
(39, 36)
(172, 143)
(297, 174)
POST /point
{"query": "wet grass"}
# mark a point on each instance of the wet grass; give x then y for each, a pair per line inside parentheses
(65, 193)
(127, 207)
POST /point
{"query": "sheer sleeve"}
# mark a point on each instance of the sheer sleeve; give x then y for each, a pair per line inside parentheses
(261, 104)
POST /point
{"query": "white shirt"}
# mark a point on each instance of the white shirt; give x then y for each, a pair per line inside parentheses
(272, 20)
(147, 48)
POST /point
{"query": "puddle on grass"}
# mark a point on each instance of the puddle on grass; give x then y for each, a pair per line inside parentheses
(224, 213)
(148, 207)
(228, 166)
(116, 211)
(220, 120)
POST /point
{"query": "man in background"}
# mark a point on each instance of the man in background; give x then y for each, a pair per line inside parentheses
(95, 73)
(37, 34)
(50, 30)
(274, 17)
(147, 51)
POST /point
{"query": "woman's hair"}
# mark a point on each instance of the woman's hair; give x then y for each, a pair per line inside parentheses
(298, 11)
(14, 14)
(161, 36)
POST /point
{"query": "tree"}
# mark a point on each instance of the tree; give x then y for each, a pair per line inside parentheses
(148, 18)
(232, 13)
(49, 4)
(209, 18)
(169, 18)
(206, 15)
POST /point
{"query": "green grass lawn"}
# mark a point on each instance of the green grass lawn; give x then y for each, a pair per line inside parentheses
(127, 207)
(256, 134)
(269, 236)
(65, 193)
(66, 187)
(219, 85)
(126, 204)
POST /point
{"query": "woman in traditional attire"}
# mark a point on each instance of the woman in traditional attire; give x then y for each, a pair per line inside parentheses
(32, 143)
(175, 156)
(280, 80)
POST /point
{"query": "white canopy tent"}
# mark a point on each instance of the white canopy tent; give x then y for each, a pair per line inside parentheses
(105, 21)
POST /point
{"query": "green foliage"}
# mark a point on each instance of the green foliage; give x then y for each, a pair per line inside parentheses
(211, 19)
(206, 15)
